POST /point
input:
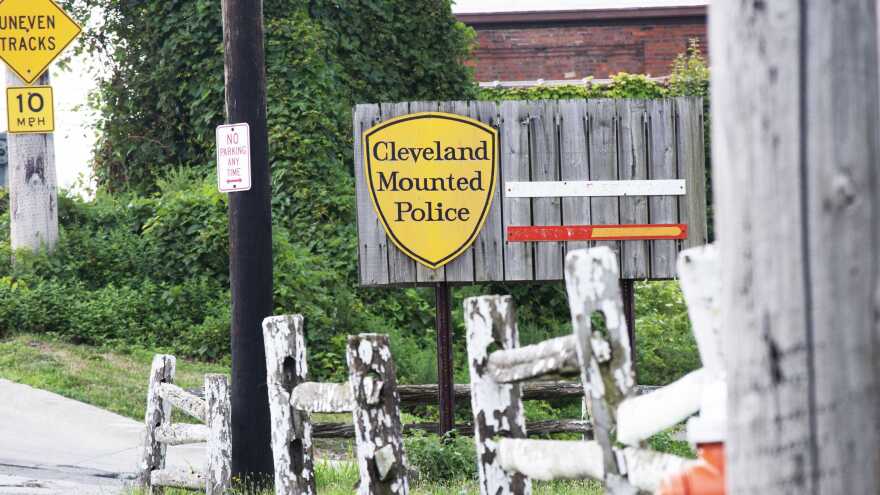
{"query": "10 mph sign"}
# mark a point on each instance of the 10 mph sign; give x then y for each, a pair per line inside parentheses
(233, 158)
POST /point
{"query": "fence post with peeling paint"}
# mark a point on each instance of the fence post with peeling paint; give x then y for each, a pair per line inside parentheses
(218, 417)
(592, 280)
(287, 368)
(214, 410)
(377, 423)
(497, 407)
(158, 414)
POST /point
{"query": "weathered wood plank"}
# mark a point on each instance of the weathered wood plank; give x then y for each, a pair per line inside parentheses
(158, 415)
(489, 246)
(218, 479)
(699, 273)
(372, 242)
(336, 397)
(632, 155)
(547, 141)
(286, 368)
(558, 355)
(497, 407)
(183, 400)
(547, 390)
(518, 256)
(534, 428)
(314, 397)
(378, 430)
(662, 165)
(544, 165)
(424, 274)
(181, 434)
(402, 269)
(178, 477)
(692, 168)
(758, 192)
(552, 459)
(593, 189)
(460, 269)
(795, 153)
(574, 163)
(602, 127)
(592, 283)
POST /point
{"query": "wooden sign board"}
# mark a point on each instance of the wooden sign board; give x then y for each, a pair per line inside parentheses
(629, 174)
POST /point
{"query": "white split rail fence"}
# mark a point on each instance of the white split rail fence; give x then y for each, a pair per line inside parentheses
(370, 395)
(213, 412)
(507, 460)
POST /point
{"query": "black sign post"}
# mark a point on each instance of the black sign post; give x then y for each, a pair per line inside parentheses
(250, 241)
(445, 379)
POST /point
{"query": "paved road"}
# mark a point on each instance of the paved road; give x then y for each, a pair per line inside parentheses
(53, 445)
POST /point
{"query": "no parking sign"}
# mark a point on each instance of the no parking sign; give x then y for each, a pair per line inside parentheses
(233, 158)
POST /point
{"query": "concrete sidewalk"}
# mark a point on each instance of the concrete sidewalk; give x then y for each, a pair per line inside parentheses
(53, 445)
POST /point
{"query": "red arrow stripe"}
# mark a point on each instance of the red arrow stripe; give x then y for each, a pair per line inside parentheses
(559, 233)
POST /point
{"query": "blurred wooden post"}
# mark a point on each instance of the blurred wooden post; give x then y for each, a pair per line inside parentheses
(33, 184)
(796, 150)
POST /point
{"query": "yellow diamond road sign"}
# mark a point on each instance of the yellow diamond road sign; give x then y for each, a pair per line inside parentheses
(32, 34)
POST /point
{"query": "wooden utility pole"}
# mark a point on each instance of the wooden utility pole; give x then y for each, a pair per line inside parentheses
(33, 185)
(796, 152)
(250, 240)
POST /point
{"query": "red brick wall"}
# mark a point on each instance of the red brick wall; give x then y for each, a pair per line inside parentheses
(575, 51)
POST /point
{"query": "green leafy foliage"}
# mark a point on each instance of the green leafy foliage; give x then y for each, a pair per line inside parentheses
(665, 348)
(447, 458)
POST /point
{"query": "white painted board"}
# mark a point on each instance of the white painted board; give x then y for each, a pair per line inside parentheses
(594, 188)
(233, 157)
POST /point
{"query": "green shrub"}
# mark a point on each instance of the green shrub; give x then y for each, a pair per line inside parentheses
(447, 458)
(665, 346)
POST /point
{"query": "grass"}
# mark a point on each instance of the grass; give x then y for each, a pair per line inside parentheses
(341, 478)
(112, 380)
(117, 381)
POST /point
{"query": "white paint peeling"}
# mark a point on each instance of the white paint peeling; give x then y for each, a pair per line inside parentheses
(314, 397)
(496, 405)
(552, 459)
(529, 362)
(183, 400)
(284, 340)
(376, 416)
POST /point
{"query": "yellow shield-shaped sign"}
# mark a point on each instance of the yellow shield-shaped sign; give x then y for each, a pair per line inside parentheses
(431, 177)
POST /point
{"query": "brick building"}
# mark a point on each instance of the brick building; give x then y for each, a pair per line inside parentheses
(573, 44)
